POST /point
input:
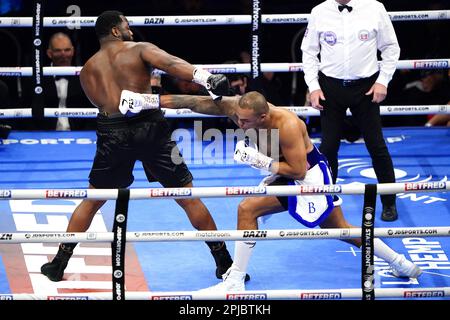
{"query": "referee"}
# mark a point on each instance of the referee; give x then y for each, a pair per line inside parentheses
(347, 35)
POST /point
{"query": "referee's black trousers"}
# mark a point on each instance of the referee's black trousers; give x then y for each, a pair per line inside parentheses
(339, 96)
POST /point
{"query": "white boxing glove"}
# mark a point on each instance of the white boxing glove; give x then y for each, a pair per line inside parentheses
(204, 78)
(201, 77)
(131, 103)
(250, 155)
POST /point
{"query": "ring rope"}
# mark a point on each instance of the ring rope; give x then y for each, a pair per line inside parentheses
(221, 192)
(187, 113)
(201, 20)
(301, 111)
(310, 294)
(16, 113)
(222, 235)
(418, 64)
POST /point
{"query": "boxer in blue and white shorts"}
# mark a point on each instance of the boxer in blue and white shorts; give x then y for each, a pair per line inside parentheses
(294, 159)
(309, 210)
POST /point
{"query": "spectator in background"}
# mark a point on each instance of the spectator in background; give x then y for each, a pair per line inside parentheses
(62, 92)
(239, 86)
(432, 88)
(238, 83)
(268, 84)
(441, 119)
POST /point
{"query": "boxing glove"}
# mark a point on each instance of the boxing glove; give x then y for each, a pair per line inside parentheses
(131, 103)
(216, 84)
(250, 155)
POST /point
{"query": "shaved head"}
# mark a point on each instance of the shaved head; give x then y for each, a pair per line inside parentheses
(255, 101)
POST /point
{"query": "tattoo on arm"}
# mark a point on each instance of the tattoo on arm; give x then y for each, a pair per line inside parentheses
(201, 104)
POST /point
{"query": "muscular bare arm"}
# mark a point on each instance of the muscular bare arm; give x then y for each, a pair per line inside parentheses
(201, 104)
(162, 60)
(294, 152)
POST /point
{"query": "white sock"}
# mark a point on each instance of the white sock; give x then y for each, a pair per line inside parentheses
(242, 253)
(383, 251)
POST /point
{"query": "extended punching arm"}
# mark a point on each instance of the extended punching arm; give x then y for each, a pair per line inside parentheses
(200, 104)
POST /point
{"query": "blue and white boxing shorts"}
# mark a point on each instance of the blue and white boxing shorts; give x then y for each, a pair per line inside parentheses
(309, 210)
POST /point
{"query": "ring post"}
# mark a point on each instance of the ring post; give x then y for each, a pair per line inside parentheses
(118, 245)
(37, 70)
(367, 279)
(255, 41)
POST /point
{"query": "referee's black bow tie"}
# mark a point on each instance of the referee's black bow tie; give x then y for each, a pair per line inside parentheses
(344, 6)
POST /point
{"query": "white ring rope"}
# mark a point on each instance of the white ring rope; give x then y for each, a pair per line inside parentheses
(221, 235)
(222, 192)
(202, 20)
(15, 113)
(301, 111)
(187, 113)
(443, 63)
(310, 294)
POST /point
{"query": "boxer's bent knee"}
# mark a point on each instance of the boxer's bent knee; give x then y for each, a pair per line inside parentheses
(248, 209)
(189, 203)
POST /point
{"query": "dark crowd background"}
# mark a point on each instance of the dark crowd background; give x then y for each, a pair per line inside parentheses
(220, 44)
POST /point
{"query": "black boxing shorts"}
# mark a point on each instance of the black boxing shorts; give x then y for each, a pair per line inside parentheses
(146, 137)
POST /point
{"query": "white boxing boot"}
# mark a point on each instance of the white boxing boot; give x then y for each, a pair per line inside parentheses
(403, 268)
(233, 280)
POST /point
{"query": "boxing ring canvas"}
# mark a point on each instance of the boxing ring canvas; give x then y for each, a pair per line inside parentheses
(40, 160)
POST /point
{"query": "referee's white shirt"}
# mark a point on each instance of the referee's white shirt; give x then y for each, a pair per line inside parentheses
(348, 42)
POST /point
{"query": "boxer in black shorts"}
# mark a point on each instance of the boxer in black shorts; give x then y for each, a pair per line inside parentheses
(146, 137)
(122, 65)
